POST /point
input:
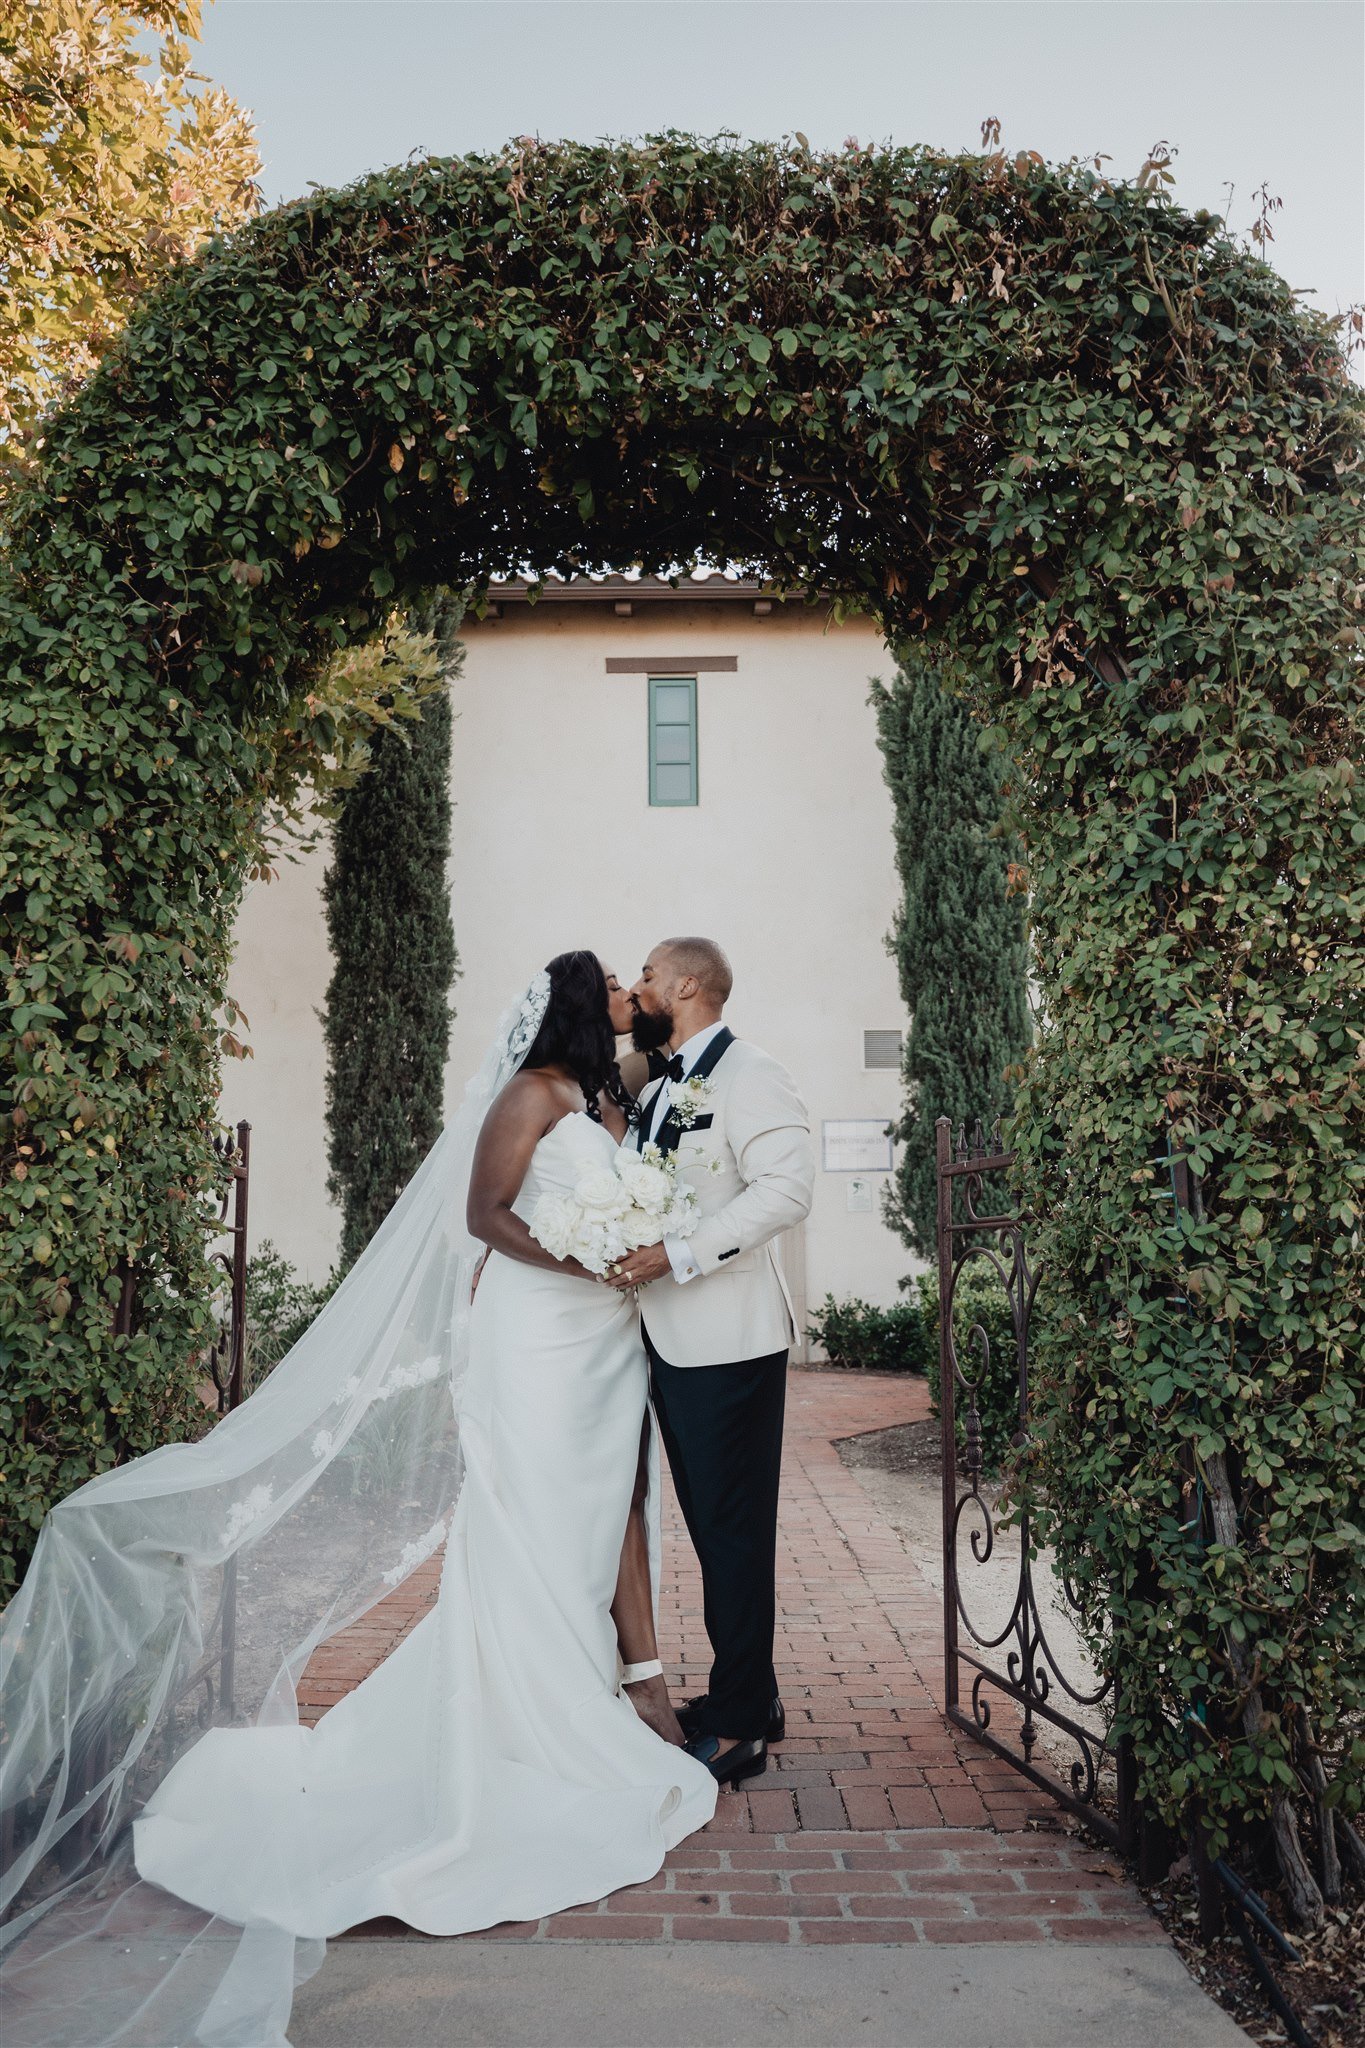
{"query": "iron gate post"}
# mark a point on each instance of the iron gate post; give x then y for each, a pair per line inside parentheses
(227, 1669)
(943, 1139)
(238, 1312)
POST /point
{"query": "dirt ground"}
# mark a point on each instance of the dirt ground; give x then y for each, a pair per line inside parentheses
(1326, 1991)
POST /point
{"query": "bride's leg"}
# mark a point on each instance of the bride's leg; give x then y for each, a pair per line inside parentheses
(633, 1610)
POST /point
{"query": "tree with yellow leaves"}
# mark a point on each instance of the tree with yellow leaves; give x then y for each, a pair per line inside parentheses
(116, 162)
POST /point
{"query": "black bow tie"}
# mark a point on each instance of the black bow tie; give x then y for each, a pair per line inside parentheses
(674, 1067)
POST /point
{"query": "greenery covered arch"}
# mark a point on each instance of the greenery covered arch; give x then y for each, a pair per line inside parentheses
(1078, 442)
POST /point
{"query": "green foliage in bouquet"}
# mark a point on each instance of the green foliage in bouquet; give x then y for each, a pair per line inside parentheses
(1095, 453)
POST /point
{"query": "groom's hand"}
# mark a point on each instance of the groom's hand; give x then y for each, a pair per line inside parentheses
(637, 1269)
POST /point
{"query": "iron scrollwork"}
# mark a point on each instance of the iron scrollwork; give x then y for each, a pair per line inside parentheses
(205, 1690)
(1007, 1658)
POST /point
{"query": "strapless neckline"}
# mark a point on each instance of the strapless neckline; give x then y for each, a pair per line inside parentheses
(568, 1118)
(556, 1167)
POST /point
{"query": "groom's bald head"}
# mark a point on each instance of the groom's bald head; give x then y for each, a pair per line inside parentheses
(705, 962)
(683, 986)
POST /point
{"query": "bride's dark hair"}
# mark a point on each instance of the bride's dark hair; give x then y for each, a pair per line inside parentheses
(576, 1032)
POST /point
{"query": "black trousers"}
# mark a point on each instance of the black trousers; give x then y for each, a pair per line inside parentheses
(722, 1430)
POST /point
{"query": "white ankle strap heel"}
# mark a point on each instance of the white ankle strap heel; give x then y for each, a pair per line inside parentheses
(631, 1674)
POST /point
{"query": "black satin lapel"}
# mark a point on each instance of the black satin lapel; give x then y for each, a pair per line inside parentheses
(713, 1054)
(670, 1130)
(646, 1117)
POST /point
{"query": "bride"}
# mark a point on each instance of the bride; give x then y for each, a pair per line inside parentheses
(493, 1766)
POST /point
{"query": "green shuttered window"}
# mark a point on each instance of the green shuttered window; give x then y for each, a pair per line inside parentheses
(672, 739)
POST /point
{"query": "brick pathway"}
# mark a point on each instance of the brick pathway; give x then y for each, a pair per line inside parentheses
(875, 1820)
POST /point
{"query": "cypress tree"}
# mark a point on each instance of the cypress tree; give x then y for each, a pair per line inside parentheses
(958, 939)
(388, 1013)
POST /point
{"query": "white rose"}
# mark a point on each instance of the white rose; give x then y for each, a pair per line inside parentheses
(599, 1190)
(552, 1224)
(648, 1187)
(639, 1228)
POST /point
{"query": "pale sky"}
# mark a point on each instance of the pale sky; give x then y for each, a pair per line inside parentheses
(1249, 92)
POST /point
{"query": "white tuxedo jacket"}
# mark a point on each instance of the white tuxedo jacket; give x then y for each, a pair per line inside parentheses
(759, 1132)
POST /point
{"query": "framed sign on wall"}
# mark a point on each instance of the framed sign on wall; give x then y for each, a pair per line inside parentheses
(856, 1145)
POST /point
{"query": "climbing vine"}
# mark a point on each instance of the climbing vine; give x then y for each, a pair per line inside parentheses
(1096, 454)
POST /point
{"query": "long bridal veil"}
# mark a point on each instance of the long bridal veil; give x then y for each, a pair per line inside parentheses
(191, 1587)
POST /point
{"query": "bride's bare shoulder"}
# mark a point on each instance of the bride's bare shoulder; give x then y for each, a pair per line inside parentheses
(529, 1094)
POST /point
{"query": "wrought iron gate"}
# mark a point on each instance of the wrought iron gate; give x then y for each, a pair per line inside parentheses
(223, 1362)
(225, 1358)
(1008, 1660)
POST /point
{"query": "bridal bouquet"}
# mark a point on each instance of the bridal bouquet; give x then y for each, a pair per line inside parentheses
(616, 1209)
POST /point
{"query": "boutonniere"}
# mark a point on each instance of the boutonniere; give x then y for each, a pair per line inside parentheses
(687, 1099)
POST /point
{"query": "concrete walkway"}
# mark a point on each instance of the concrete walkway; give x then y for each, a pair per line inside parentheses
(483, 1994)
(886, 1880)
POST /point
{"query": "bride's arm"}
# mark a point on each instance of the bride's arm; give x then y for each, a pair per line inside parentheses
(514, 1126)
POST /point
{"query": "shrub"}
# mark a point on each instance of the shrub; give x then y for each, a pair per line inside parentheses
(958, 938)
(279, 1308)
(856, 1334)
(387, 1014)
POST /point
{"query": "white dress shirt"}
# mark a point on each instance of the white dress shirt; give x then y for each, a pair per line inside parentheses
(690, 1051)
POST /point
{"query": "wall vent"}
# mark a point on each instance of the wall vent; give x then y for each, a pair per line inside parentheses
(882, 1049)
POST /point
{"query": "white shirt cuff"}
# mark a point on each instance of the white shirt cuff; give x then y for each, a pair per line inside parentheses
(681, 1260)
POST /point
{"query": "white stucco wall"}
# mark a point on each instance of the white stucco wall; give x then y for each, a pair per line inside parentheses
(786, 860)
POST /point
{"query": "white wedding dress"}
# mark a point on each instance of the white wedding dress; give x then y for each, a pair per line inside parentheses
(488, 1769)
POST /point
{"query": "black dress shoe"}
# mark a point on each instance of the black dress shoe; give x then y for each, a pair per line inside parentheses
(745, 1760)
(689, 1719)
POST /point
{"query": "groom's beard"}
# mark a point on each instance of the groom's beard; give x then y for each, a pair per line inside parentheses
(651, 1029)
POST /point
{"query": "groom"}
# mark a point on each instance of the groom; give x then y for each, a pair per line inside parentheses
(718, 1322)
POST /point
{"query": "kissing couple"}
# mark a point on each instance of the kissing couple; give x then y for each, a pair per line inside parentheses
(516, 1752)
